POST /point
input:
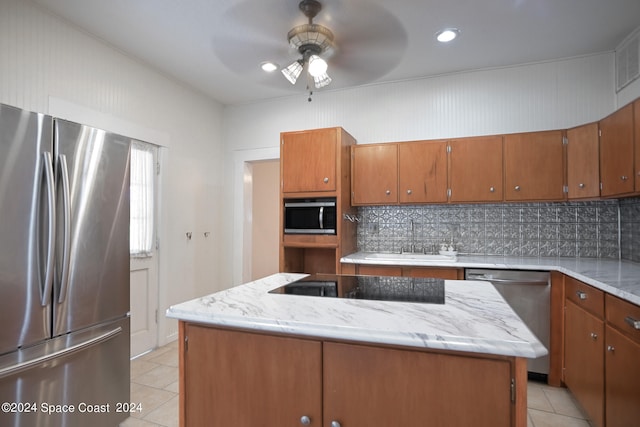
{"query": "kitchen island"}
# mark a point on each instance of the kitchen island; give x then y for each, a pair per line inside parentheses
(250, 357)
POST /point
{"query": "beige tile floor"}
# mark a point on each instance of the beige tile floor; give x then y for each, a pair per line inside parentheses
(154, 383)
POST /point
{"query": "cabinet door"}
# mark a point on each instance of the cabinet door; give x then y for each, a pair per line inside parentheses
(623, 380)
(422, 170)
(636, 121)
(374, 173)
(584, 360)
(245, 380)
(534, 166)
(372, 386)
(308, 161)
(616, 152)
(583, 168)
(475, 169)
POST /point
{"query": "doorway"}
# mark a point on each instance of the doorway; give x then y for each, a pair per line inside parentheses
(143, 248)
(265, 214)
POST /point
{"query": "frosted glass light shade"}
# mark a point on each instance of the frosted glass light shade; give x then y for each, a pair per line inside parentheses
(293, 71)
(317, 66)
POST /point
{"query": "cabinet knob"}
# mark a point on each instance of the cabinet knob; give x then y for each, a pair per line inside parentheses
(326, 180)
(611, 348)
(594, 336)
(517, 188)
(335, 424)
(409, 191)
(581, 295)
(305, 421)
(581, 185)
(492, 190)
(387, 192)
(624, 177)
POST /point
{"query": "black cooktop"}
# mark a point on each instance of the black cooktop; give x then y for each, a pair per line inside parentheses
(382, 288)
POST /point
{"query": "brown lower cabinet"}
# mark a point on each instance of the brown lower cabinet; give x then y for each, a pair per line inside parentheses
(245, 379)
(602, 355)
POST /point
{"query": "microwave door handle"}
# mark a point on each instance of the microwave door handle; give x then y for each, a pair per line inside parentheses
(321, 217)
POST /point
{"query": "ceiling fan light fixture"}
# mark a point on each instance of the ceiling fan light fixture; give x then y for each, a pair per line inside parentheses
(311, 34)
(321, 80)
(293, 71)
(317, 66)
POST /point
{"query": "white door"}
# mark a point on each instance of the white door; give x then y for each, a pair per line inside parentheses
(144, 251)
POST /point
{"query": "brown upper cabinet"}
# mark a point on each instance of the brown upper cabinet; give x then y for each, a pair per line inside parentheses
(308, 160)
(374, 174)
(636, 121)
(475, 169)
(583, 167)
(616, 153)
(422, 172)
(534, 166)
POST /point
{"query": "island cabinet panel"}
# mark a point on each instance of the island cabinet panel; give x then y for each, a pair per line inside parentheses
(583, 168)
(243, 379)
(369, 386)
(534, 166)
(422, 169)
(308, 160)
(476, 169)
(374, 174)
(616, 153)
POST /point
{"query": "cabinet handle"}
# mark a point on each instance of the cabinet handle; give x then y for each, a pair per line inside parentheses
(581, 295)
(517, 188)
(387, 192)
(409, 191)
(624, 177)
(335, 424)
(611, 348)
(305, 421)
(635, 324)
(492, 190)
(581, 185)
(594, 336)
(326, 180)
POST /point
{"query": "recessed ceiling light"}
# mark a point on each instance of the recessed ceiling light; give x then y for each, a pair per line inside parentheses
(269, 66)
(447, 35)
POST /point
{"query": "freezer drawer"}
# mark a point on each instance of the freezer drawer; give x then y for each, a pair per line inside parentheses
(78, 380)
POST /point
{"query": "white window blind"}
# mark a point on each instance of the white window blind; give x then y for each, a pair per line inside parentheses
(142, 199)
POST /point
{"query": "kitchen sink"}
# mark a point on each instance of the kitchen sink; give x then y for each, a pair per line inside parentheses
(410, 256)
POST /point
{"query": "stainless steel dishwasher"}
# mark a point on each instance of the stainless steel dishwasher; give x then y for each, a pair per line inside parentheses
(528, 294)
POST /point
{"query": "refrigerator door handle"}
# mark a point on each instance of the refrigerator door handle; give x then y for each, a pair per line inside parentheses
(47, 165)
(27, 364)
(66, 235)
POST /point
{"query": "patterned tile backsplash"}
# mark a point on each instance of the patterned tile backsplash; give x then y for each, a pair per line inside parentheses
(630, 229)
(602, 229)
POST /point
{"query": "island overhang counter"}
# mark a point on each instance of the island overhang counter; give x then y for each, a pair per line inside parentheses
(352, 362)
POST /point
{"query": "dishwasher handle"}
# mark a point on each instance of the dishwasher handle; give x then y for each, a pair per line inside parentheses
(506, 281)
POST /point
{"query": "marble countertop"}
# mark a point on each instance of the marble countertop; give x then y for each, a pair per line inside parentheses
(474, 317)
(620, 278)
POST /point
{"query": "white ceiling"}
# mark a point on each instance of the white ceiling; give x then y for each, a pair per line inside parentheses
(216, 46)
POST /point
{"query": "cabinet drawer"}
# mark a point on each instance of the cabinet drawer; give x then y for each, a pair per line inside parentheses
(585, 296)
(624, 316)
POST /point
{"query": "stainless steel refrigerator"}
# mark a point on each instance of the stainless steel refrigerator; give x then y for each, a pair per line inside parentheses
(64, 272)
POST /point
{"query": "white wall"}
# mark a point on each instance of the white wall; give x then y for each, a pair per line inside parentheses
(49, 66)
(548, 95)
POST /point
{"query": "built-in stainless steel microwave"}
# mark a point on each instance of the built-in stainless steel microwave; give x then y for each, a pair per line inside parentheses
(310, 216)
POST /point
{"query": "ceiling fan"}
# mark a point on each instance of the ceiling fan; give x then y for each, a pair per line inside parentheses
(358, 41)
(312, 41)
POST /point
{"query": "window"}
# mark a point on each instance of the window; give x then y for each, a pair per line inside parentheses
(142, 191)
